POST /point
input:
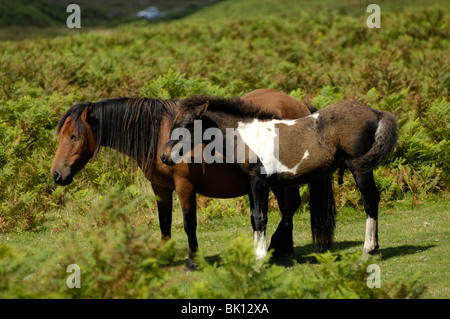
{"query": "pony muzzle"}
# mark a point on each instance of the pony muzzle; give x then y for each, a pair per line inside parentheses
(167, 159)
(58, 178)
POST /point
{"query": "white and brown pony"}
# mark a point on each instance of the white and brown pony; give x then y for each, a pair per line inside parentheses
(280, 152)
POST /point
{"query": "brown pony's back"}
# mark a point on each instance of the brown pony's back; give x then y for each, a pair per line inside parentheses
(269, 99)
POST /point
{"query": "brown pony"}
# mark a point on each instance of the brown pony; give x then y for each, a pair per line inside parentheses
(139, 128)
(292, 152)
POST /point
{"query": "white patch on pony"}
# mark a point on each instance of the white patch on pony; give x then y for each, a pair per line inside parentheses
(315, 115)
(379, 129)
(284, 169)
(260, 244)
(262, 138)
(370, 241)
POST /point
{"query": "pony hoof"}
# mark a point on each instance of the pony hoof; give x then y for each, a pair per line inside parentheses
(282, 253)
(285, 255)
(260, 256)
(370, 250)
(190, 266)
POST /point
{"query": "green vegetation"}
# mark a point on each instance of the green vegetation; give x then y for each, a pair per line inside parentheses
(119, 258)
(240, 276)
(318, 53)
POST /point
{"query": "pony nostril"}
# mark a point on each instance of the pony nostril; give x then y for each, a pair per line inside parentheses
(56, 176)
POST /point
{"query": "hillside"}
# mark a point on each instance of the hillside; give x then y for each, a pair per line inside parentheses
(402, 67)
(47, 13)
(318, 53)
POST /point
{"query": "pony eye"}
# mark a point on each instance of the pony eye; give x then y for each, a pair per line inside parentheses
(73, 137)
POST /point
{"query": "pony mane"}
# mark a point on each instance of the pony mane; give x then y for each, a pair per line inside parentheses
(128, 125)
(231, 106)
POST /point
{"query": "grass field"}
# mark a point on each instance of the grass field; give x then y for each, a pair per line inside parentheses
(319, 53)
(419, 249)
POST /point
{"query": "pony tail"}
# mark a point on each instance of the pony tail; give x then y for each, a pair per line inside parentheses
(323, 212)
(386, 137)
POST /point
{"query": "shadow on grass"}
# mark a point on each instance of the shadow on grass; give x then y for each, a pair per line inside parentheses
(182, 262)
(304, 254)
(390, 252)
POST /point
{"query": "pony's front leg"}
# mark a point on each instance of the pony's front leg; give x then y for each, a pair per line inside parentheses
(164, 203)
(289, 201)
(260, 196)
(186, 195)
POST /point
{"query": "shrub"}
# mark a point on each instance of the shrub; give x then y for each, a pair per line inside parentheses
(175, 85)
(328, 95)
(240, 275)
(120, 262)
(346, 278)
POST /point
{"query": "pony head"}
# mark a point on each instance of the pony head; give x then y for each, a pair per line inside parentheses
(182, 125)
(76, 145)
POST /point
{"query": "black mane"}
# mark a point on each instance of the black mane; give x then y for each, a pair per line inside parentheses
(231, 106)
(128, 125)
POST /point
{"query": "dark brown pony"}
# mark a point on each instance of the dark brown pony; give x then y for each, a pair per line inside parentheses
(292, 152)
(139, 128)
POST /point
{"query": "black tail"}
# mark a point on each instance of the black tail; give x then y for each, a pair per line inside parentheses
(385, 139)
(323, 212)
(322, 208)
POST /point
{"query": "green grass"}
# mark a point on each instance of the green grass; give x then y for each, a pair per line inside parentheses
(413, 240)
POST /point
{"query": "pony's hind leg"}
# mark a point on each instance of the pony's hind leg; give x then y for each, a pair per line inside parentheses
(260, 197)
(371, 198)
(289, 201)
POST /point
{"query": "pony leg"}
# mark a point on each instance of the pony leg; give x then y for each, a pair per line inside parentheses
(186, 195)
(260, 196)
(371, 198)
(289, 201)
(164, 203)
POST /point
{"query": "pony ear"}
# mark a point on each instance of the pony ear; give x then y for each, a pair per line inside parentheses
(202, 109)
(87, 115)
